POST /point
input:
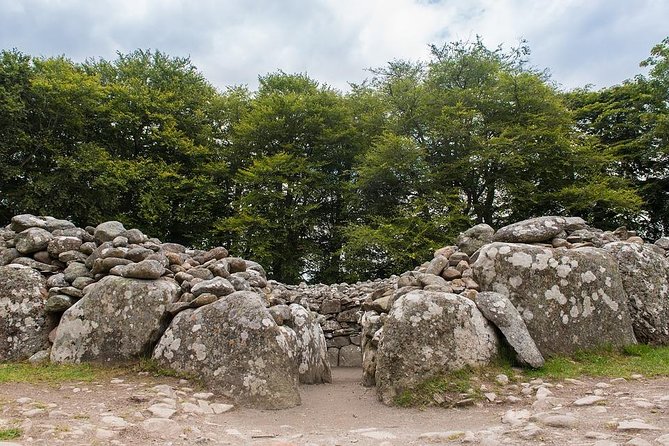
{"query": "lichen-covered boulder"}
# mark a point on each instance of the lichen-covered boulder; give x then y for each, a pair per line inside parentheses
(533, 230)
(24, 323)
(570, 299)
(645, 277)
(32, 240)
(118, 319)
(312, 352)
(426, 335)
(499, 310)
(474, 238)
(237, 349)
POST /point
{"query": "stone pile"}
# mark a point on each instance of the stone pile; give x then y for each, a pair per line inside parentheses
(550, 285)
(108, 293)
(340, 307)
(545, 286)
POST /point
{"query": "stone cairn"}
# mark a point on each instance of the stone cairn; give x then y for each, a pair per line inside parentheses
(544, 286)
(108, 293)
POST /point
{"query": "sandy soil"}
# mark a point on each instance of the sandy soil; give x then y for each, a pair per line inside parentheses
(143, 410)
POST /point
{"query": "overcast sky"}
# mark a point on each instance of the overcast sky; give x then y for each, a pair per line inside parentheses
(599, 42)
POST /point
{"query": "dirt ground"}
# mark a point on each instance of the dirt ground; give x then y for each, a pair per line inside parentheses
(143, 410)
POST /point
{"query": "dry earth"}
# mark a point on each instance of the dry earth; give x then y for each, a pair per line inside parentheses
(143, 410)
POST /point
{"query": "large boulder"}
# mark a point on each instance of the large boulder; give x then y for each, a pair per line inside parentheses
(118, 319)
(312, 352)
(24, 323)
(645, 277)
(32, 240)
(428, 334)
(237, 349)
(570, 299)
(499, 310)
(540, 229)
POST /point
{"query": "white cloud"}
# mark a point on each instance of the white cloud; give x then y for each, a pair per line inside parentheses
(234, 41)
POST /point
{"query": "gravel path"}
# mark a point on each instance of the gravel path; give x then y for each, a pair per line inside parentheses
(143, 410)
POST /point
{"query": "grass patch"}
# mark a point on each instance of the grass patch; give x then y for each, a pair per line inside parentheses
(21, 372)
(153, 367)
(11, 433)
(446, 390)
(649, 361)
(450, 389)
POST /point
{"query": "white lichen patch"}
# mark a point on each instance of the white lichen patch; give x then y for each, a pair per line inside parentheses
(200, 351)
(515, 281)
(521, 259)
(588, 277)
(555, 294)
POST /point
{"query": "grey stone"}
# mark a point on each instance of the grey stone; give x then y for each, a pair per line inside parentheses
(499, 310)
(34, 264)
(7, 255)
(570, 299)
(350, 356)
(437, 265)
(32, 240)
(474, 238)
(24, 323)
(118, 319)
(645, 278)
(426, 335)
(108, 231)
(540, 229)
(61, 244)
(663, 242)
(24, 221)
(58, 303)
(74, 270)
(146, 269)
(311, 355)
(134, 236)
(333, 356)
(217, 286)
(248, 357)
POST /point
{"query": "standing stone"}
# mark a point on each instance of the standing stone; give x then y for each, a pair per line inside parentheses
(499, 310)
(645, 277)
(118, 319)
(24, 324)
(570, 299)
(312, 358)
(237, 349)
(426, 335)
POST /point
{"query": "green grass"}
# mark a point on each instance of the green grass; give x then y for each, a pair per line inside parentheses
(21, 372)
(640, 359)
(11, 433)
(452, 387)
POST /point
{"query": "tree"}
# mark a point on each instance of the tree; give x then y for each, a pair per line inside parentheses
(293, 148)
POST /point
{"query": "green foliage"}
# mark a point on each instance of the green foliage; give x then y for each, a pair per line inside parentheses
(452, 387)
(649, 361)
(10, 433)
(49, 373)
(321, 185)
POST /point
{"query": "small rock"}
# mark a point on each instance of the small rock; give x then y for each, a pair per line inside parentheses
(439, 437)
(588, 400)
(116, 422)
(564, 421)
(219, 408)
(502, 379)
(636, 425)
